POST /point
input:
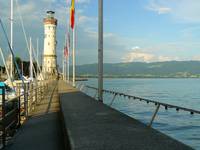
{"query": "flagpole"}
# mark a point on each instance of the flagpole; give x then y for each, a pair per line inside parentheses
(31, 61)
(100, 52)
(63, 67)
(68, 47)
(73, 58)
(68, 63)
(68, 60)
(64, 59)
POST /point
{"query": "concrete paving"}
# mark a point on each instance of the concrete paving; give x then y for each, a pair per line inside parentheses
(43, 131)
(91, 125)
(85, 124)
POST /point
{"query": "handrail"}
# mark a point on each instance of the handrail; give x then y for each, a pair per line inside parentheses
(19, 106)
(157, 104)
(192, 111)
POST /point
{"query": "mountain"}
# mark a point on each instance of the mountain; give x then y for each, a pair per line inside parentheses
(169, 69)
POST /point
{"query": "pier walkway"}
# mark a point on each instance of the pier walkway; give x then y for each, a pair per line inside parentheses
(91, 125)
(43, 129)
(78, 122)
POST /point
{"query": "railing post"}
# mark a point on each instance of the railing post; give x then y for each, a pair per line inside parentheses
(19, 111)
(40, 90)
(26, 96)
(18, 88)
(113, 99)
(154, 115)
(35, 89)
(31, 97)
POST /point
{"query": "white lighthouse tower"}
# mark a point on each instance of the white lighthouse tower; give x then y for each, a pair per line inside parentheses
(49, 68)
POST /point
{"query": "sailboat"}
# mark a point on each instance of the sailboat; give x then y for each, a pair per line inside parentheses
(9, 86)
(9, 83)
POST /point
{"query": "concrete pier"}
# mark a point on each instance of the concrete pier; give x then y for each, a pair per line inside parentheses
(68, 119)
(91, 125)
(43, 130)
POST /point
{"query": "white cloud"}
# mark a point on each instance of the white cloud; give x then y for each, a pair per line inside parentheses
(159, 9)
(185, 11)
(82, 19)
(138, 55)
(197, 58)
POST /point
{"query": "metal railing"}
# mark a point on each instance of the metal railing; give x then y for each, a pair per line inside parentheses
(16, 111)
(84, 88)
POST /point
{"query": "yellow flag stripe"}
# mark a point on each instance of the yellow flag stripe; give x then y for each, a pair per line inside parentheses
(73, 4)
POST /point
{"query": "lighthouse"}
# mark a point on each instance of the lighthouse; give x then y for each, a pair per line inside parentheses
(49, 67)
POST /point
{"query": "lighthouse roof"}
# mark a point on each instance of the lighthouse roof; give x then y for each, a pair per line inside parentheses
(50, 12)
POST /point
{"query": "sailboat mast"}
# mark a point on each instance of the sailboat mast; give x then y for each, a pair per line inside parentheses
(11, 38)
(37, 57)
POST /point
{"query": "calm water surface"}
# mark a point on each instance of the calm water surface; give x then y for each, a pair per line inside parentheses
(182, 92)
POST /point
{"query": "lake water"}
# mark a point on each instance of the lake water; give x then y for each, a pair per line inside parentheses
(182, 92)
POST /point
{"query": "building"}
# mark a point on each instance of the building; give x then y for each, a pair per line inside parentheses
(49, 67)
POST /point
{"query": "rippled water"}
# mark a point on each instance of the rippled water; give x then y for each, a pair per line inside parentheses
(182, 92)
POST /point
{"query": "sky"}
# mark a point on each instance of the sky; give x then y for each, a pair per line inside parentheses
(134, 30)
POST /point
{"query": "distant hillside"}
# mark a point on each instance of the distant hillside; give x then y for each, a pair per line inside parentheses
(169, 69)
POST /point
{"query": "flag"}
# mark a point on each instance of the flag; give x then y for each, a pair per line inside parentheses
(66, 52)
(72, 14)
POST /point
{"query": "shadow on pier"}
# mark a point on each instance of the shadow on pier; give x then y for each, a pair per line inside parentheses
(43, 129)
(68, 119)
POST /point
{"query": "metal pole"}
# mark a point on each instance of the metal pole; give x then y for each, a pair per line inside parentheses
(11, 38)
(68, 66)
(73, 59)
(63, 67)
(22, 66)
(100, 53)
(38, 57)
(68, 38)
(68, 58)
(31, 63)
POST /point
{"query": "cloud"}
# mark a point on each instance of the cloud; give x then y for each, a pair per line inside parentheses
(159, 9)
(197, 58)
(182, 11)
(138, 55)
